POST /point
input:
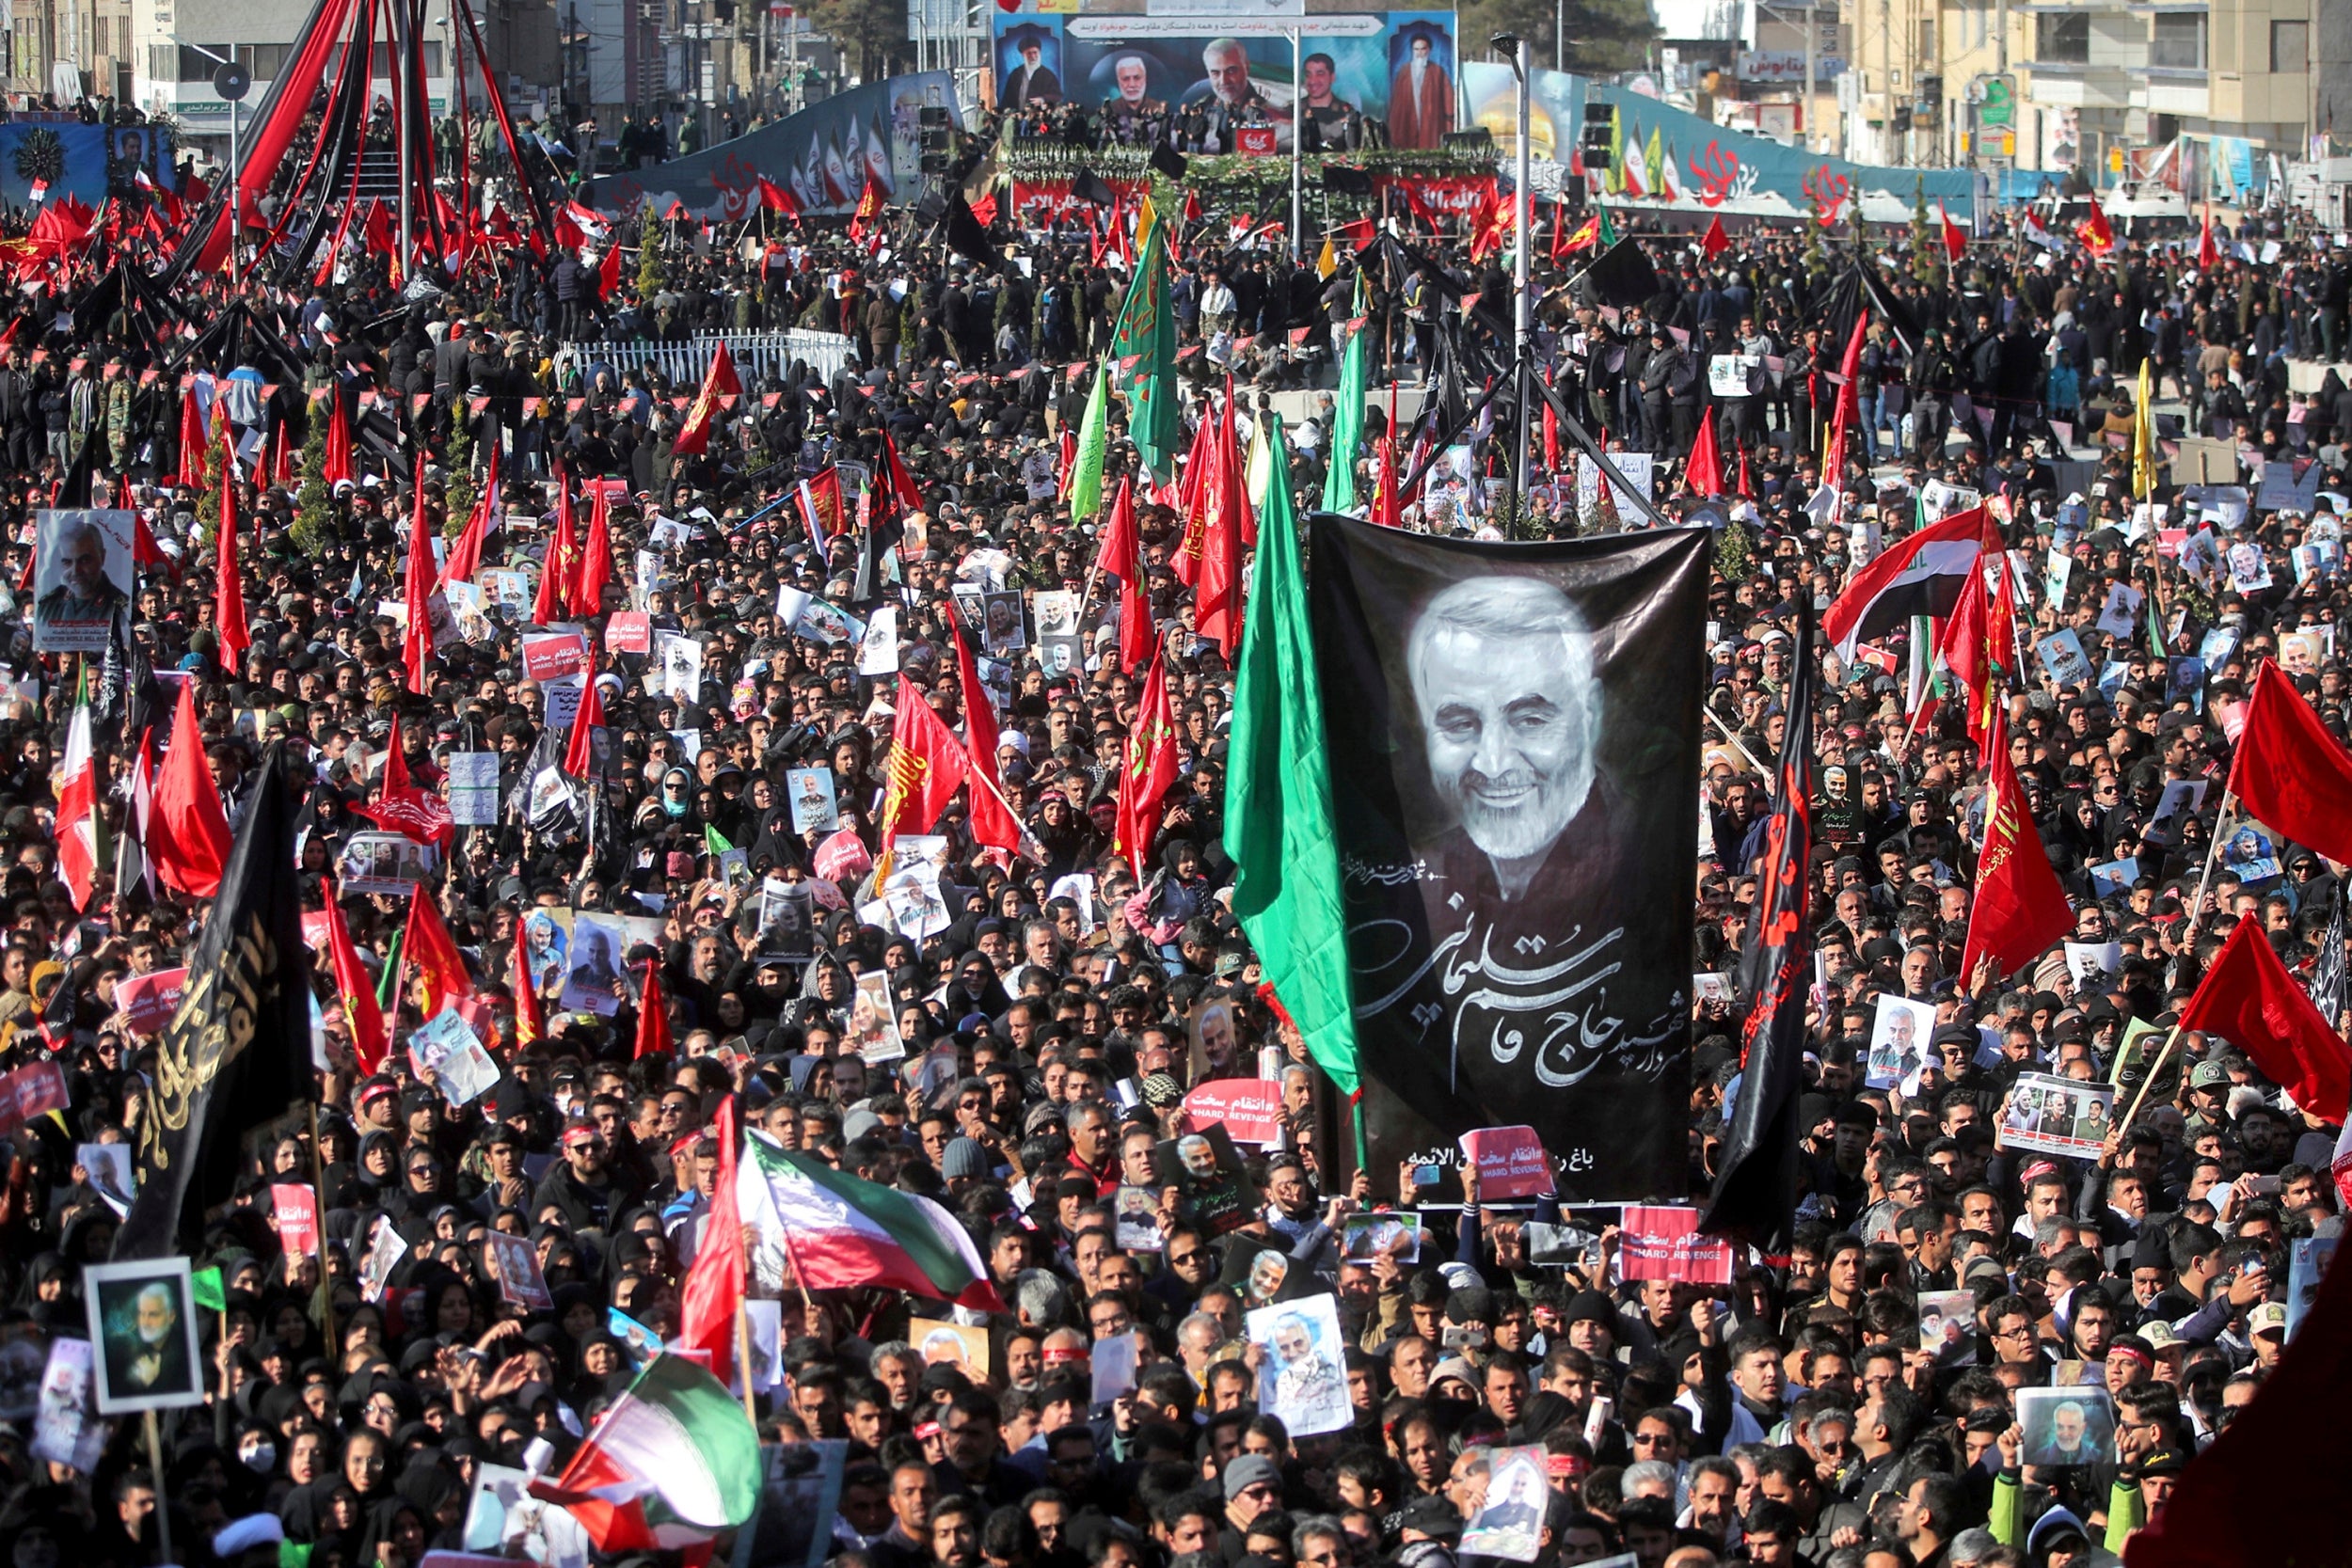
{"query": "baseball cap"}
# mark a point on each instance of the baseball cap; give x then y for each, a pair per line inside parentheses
(2266, 1317)
(2209, 1075)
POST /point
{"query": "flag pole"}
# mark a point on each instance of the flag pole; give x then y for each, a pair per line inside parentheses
(743, 1359)
(318, 1172)
(163, 1500)
(2172, 1040)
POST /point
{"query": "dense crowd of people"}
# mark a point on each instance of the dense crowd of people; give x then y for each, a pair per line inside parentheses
(1049, 1009)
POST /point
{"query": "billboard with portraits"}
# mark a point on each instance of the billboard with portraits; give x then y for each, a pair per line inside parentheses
(1511, 814)
(1398, 68)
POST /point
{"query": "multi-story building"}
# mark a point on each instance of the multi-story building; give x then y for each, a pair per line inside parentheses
(2076, 84)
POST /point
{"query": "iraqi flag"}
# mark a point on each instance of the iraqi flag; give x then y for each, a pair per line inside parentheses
(1921, 575)
(842, 1233)
(674, 1462)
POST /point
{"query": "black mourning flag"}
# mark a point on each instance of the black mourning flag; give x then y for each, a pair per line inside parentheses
(1755, 1185)
(1512, 799)
(1623, 276)
(966, 237)
(1089, 186)
(237, 1053)
(2327, 975)
(1169, 161)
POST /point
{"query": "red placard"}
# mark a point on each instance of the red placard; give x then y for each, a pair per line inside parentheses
(150, 1000)
(1249, 1109)
(31, 1091)
(314, 931)
(1511, 1162)
(297, 1207)
(1663, 1243)
(562, 653)
(629, 631)
(1256, 140)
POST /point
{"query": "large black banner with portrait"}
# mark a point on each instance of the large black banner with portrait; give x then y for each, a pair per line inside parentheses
(1514, 746)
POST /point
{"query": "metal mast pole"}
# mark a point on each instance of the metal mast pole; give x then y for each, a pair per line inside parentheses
(1522, 214)
(1299, 167)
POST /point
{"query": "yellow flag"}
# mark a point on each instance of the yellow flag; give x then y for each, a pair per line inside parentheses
(1328, 262)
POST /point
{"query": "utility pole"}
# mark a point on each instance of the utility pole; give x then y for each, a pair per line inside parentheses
(1812, 30)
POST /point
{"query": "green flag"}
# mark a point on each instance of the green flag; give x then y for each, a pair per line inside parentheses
(209, 1291)
(714, 842)
(1094, 436)
(1143, 359)
(1347, 426)
(1654, 163)
(1277, 802)
(1614, 183)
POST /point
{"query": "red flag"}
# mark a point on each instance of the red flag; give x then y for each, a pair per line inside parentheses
(401, 807)
(653, 1018)
(2208, 253)
(363, 1019)
(562, 551)
(1120, 554)
(2019, 910)
(192, 441)
(1194, 494)
(1714, 241)
(465, 557)
(1961, 650)
(416, 645)
(1148, 773)
(1236, 470)
(1955, 243)
(993, 821)
(897, 486)
(336, 468)
(1216, 600)
(609, 271)
(718, 382)
(1357, 234)
(595, 556)
(2249, 999)
(426, 947)
(1387, 505)
(1704, 472)
(712, 1291)
(775, 199)
(926, 765)
(528, 1025)
(1065, 461)
(579, 752)
(868, 219)
(2093, 231)
(1848, 408)
(229, 590)
(188, 832)
(2289, 772)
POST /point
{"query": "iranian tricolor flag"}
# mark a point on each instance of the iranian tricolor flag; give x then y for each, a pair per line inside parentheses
(674, 1462)
(843, 1233)
(77, 804)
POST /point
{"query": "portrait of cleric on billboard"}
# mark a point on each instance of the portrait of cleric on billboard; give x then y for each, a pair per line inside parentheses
(1515, 827)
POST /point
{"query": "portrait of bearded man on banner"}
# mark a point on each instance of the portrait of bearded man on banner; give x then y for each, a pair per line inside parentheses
(1506, 841)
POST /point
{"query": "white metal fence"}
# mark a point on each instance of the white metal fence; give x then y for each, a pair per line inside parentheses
(755, 354)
